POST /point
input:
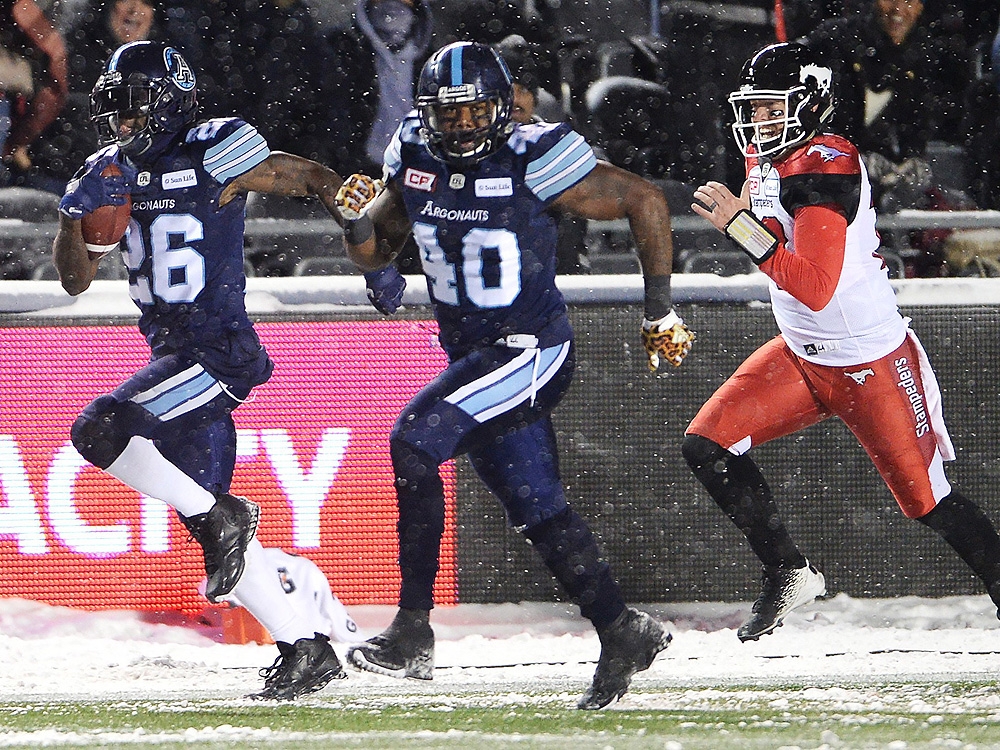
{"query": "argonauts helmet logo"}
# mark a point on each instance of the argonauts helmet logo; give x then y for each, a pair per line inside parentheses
(180, 72)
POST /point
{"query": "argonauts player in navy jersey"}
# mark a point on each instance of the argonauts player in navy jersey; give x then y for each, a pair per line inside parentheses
(168, 430)
(476, 191)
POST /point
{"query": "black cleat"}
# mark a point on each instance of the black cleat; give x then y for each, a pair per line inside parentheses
(782, 590)
(301, 668)
(628, 645)
(224, 533)
(404, 649)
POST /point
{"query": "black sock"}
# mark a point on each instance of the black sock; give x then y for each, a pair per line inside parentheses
(420, 495)
(738, 487)
(569, 550)
(970, 532)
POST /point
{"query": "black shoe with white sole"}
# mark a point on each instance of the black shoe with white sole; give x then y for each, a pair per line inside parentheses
(782, 590)
(404, 649)
(224, 533)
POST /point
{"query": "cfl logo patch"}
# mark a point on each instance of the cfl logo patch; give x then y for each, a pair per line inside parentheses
(860, 376)
(418, 180)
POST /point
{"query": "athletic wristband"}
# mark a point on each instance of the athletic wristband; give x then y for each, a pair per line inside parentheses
(657, 297)
(751, 236)
(358, 231)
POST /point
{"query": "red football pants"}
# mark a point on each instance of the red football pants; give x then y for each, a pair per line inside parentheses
(884, 403)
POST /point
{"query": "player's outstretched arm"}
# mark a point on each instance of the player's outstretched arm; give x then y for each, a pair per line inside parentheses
(282, 173)
(609, 192)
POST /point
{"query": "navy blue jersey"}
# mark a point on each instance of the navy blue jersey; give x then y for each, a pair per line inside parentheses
(185, 254)
(487, 240)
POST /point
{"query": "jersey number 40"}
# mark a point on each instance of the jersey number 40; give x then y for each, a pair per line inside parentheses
(490, 266)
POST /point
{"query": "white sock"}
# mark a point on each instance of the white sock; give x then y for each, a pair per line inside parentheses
(142, 467)
(259, 590)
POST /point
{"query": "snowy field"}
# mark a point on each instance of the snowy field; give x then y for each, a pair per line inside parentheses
(909, 667)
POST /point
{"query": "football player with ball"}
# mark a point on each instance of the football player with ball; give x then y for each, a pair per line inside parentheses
(180, 188)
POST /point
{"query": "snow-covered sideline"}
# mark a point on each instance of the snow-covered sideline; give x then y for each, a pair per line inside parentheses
(52, 653)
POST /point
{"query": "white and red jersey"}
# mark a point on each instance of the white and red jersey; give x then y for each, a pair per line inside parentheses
(860, 322)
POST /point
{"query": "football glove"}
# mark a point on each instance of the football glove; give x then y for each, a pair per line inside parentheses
(356, 193)
(88, 190)
(667, 338)
(385, 289)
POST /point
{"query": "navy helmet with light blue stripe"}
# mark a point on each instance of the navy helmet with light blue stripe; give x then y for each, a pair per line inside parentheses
(460, 74)
(143, 79)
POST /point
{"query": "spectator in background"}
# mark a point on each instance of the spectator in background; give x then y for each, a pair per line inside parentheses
(981, 128)
(520, 61)
(34, 76)
(90, 39)
(99, 30)
(898, 87)
(374, 67)
(525, 61)
(901, 83)
(490, 21)
(373, 72)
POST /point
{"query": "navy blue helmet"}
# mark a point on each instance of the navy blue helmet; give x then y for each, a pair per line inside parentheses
(790, 75)
(465, 97)
(143, 79)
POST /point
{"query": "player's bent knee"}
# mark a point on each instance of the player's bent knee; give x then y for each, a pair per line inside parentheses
(97, 434)
(699, 451)
(414, 469)
(916, 509)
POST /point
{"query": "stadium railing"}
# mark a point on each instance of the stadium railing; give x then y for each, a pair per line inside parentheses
(298, 240)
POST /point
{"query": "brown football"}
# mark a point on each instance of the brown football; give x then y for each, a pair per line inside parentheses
(102, 229)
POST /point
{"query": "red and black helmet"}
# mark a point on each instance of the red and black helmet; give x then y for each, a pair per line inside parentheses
(789, 73)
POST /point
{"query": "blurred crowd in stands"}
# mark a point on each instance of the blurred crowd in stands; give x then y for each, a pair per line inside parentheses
(918, 89)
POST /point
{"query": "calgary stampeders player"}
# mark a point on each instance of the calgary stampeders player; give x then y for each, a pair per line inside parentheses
(805, 217)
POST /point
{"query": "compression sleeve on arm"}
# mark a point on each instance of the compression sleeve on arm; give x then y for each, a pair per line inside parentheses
(812, 272)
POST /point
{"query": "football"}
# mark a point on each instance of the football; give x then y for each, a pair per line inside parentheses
(103, 228)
